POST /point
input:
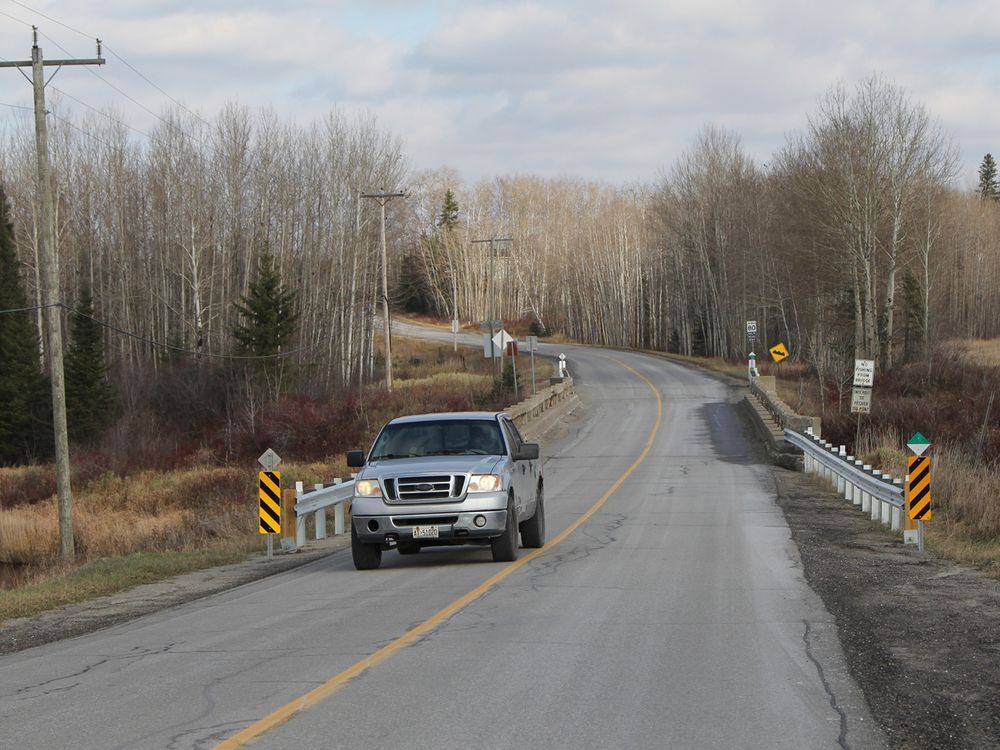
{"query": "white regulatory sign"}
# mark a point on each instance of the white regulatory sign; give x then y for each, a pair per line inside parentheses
(864, 372)
(269, 460)
(751, 326)
(861, 400)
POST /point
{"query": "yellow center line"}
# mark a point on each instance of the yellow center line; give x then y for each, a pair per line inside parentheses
(318, 694)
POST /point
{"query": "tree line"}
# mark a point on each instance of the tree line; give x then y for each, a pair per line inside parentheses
(854, 240)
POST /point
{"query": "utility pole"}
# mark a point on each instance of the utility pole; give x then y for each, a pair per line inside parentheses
(493, 300)
(50, 285)
(382, 199)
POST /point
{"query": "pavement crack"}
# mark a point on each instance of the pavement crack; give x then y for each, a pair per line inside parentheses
(842, 739)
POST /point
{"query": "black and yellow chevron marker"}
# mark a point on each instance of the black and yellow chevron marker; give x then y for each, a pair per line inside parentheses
(270, 502)
(918, 489)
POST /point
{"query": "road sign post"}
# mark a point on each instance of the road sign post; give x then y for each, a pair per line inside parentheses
(918, 489)
(269, 498)
(512, 353)
(532, 342)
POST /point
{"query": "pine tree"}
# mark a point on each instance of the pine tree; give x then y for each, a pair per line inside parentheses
(448, 218)
(26, 423)
(90, 397)
(989, 188)
(268, 320)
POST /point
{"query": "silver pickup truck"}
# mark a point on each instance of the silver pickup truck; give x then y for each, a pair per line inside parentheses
(441, 479)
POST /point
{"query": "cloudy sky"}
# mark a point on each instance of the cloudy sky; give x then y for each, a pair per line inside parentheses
(611, 91)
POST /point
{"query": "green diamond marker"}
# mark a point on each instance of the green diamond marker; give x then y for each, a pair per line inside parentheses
(918, 444)
(753, 356)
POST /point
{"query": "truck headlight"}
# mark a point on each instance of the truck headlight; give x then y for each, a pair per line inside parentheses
(485, 483)
(367, 488)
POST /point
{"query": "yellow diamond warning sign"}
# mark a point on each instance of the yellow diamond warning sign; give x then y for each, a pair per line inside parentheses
(778, 352)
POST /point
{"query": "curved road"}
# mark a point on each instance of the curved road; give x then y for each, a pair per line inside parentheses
(674, 615)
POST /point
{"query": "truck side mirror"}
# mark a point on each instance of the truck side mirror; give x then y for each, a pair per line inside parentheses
(527, 452)
(355, 459)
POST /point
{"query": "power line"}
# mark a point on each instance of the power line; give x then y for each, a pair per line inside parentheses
(80, 130)
(50, 18)
(147, 80)
(129, 65)
(100, 112)
(132, 99)
(15, 18)
(15, 106)
(150, 341)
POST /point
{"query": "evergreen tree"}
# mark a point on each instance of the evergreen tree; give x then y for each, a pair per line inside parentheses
(26, 422)
(989, 188)
(448, 218)
(268, 320)
(90, 397)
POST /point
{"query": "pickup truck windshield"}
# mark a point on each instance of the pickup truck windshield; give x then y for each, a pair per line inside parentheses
(453, 437)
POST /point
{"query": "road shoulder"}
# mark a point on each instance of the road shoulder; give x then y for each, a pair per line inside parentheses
(919, 634)
(86, 617)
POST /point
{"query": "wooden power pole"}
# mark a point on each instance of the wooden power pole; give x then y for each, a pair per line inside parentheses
(52, 312)
(382, 199)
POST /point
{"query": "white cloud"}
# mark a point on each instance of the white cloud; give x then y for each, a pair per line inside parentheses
(603, 90)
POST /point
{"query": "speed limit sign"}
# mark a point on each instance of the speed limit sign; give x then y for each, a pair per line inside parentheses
(751, 326)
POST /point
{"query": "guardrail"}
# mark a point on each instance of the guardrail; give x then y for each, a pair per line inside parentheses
(317, 500)
(878, 494)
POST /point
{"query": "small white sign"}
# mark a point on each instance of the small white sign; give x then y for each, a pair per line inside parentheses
(751, 327)
(489, 348)
(269, 460)
(531, 342)
(454, 326)
(864, 372)
(861, 400)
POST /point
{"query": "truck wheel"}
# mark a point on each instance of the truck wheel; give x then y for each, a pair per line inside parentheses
(533, 530)
(504, 547)
(366, 556)
(407, 548)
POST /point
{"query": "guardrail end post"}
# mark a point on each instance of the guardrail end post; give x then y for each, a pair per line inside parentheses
(300, 520)
(320, 519)
(338, 518)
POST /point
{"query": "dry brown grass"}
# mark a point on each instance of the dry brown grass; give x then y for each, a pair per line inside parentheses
(985, 352)
(115, 515)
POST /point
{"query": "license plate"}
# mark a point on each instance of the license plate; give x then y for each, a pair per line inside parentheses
(425, 532)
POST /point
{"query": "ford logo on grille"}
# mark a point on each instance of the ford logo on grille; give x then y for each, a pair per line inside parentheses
(424, 487)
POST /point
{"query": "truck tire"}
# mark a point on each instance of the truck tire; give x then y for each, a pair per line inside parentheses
(504, 547)
(366, 556)
(533, 530)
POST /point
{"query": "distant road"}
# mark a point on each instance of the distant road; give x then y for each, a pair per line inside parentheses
(675, 616)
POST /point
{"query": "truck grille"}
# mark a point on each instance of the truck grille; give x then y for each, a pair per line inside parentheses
(421, 489)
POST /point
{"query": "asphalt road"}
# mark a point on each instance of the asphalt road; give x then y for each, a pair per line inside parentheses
(675, 616)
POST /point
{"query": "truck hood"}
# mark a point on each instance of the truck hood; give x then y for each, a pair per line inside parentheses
(429, 464)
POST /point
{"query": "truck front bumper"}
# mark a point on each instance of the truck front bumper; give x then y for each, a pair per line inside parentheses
(454, 526)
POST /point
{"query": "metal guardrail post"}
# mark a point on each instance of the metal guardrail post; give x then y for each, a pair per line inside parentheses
(897, 513)
(300, 519)
(320, 518)
(338, 515)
